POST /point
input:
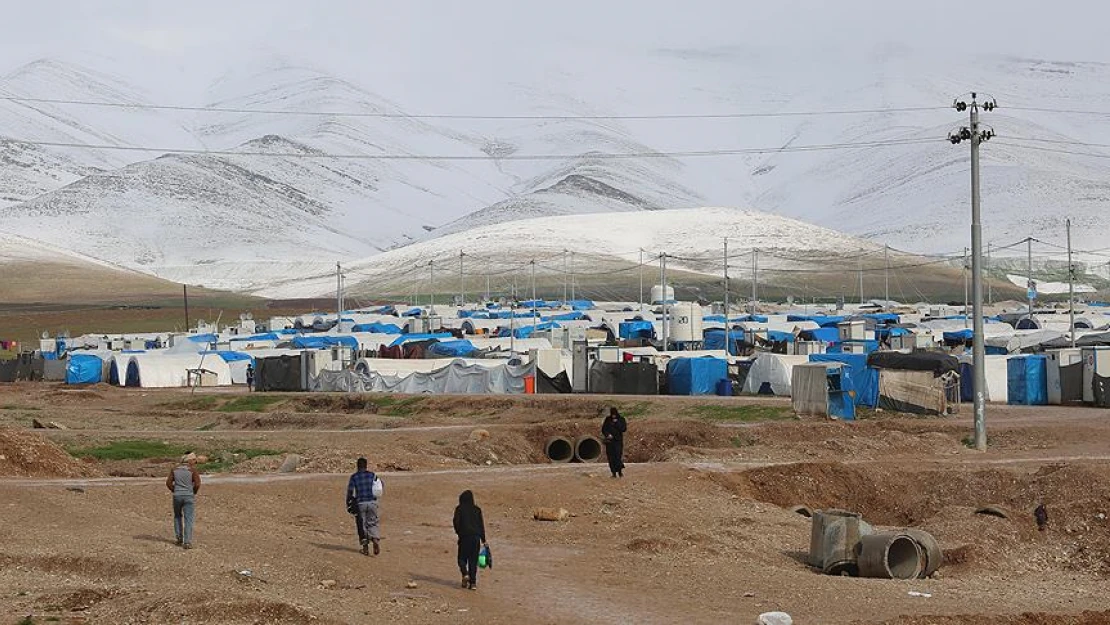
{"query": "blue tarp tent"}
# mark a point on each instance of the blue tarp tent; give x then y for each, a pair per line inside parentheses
(203, 338)
(695, 376)
(715, 339)
(267, 336)
(229, 356)
(407, 338)
(324, 342)
(454, 349)
(886, 318)
(527, 331)
(412, 312)
(1027, 380)
(570, 316)
(83, 369)
(779, 336)
(865, 380)
(636, 330)
(378, 328)
(959, 336)
(824, 335)
(581, 304)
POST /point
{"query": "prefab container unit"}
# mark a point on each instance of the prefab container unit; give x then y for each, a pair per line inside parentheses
(1065, 376)
(1026, 383)
(1096, 364)
(852, 330)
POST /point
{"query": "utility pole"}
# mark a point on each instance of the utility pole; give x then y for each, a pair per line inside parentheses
(185, 294)
(432, 287)
(886, 274)
(534, 320)
(859, 272)
(566, 278)
(663, 280)
(1071, 288)
(728, 341)
(572, 276)
(462, 284)
(1030, 287)
(976, 136)
(641, 280)
(755, 279)
(487, 282)
(338, 297)
(965, 288)
(990, 289)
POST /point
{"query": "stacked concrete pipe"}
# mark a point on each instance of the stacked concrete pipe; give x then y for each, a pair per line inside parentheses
(587, 448)
(559, 449)
(891, 555)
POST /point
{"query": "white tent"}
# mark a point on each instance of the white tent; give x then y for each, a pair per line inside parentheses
(160, 370)
(775, 370)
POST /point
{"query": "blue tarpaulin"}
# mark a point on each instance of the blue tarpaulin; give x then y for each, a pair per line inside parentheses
(324, 342)
(203, 338)
(695, 376)
(455, 349)
(412, 312)
(865, 380)
(636, 330)
(887, 318)
(824, 335)
(779, 336)
(581, 304)
(408, 338)
(229, 356)
(267, 336)
(821, 320)
(84, 369)
(570, 316)
(1027, 380)
(715, 339)
(378, 328)
(527, 331)
(959, 336)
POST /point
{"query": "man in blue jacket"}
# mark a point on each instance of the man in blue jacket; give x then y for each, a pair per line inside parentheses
(363, 490)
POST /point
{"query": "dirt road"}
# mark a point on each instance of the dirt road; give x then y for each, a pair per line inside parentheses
(699, 532)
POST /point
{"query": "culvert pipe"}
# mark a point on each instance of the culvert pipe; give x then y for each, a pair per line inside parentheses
(587, 449)
(559, 449)
(890, 555)
(832, 530)
(930, 550)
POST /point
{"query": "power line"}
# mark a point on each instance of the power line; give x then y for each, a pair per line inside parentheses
(1042, 109)
(463, 116)
(1053, 150)
(486, 157)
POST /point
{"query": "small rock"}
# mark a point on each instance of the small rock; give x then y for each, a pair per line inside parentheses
(72, 489)
(290, 464)
(550, 514)
(408, 532)
(411, 585)
(775, 618)
(327, 584)
(3, 457)
(38, 425)
(749, 594)
(202, 459)
(479, 435)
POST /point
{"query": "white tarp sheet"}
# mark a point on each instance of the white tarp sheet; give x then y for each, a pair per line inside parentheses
(773, 369)
(163, 370)
(457, 377)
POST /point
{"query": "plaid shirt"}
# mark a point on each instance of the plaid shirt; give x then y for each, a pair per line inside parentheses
(361, 486)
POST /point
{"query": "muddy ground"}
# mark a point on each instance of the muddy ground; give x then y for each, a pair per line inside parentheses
(700, 530)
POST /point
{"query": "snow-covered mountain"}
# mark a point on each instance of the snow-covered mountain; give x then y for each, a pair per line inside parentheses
(596, 245)
(242, 199)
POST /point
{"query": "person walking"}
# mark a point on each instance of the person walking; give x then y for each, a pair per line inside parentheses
(612, 430)
(363, 489)
(184, 483)
(250, 376)
(471, 530)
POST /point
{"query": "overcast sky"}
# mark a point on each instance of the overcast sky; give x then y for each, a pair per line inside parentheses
(205, 30)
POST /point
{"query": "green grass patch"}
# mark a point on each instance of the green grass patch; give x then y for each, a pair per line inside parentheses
(195, 402)
(741, 412)
(630, 411)
(129, 450)
(969, 441)
(394, 407)
(224, 460)
(250, 403)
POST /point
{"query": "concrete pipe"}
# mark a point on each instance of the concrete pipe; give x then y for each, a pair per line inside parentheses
(930, 549)
(559, 449)
(821, 523)
(587, 449)
(890, 555)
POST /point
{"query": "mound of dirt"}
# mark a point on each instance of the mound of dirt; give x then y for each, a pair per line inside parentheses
(1028, 618)
(26, 454)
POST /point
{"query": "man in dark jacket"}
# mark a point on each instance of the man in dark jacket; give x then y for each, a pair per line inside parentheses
(184, 483)
(471, 530)
(613, 432)
(363, 490)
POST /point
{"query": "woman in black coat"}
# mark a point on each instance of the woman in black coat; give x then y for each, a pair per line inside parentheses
(613, 432)
(471, 530)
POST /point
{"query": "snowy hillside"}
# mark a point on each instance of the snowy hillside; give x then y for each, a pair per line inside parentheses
(347, 173)
(601, 244)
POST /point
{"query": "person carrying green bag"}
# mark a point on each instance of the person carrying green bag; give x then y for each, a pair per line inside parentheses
(471, 530)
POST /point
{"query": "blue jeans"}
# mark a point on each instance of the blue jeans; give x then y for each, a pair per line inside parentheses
(183, 509)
